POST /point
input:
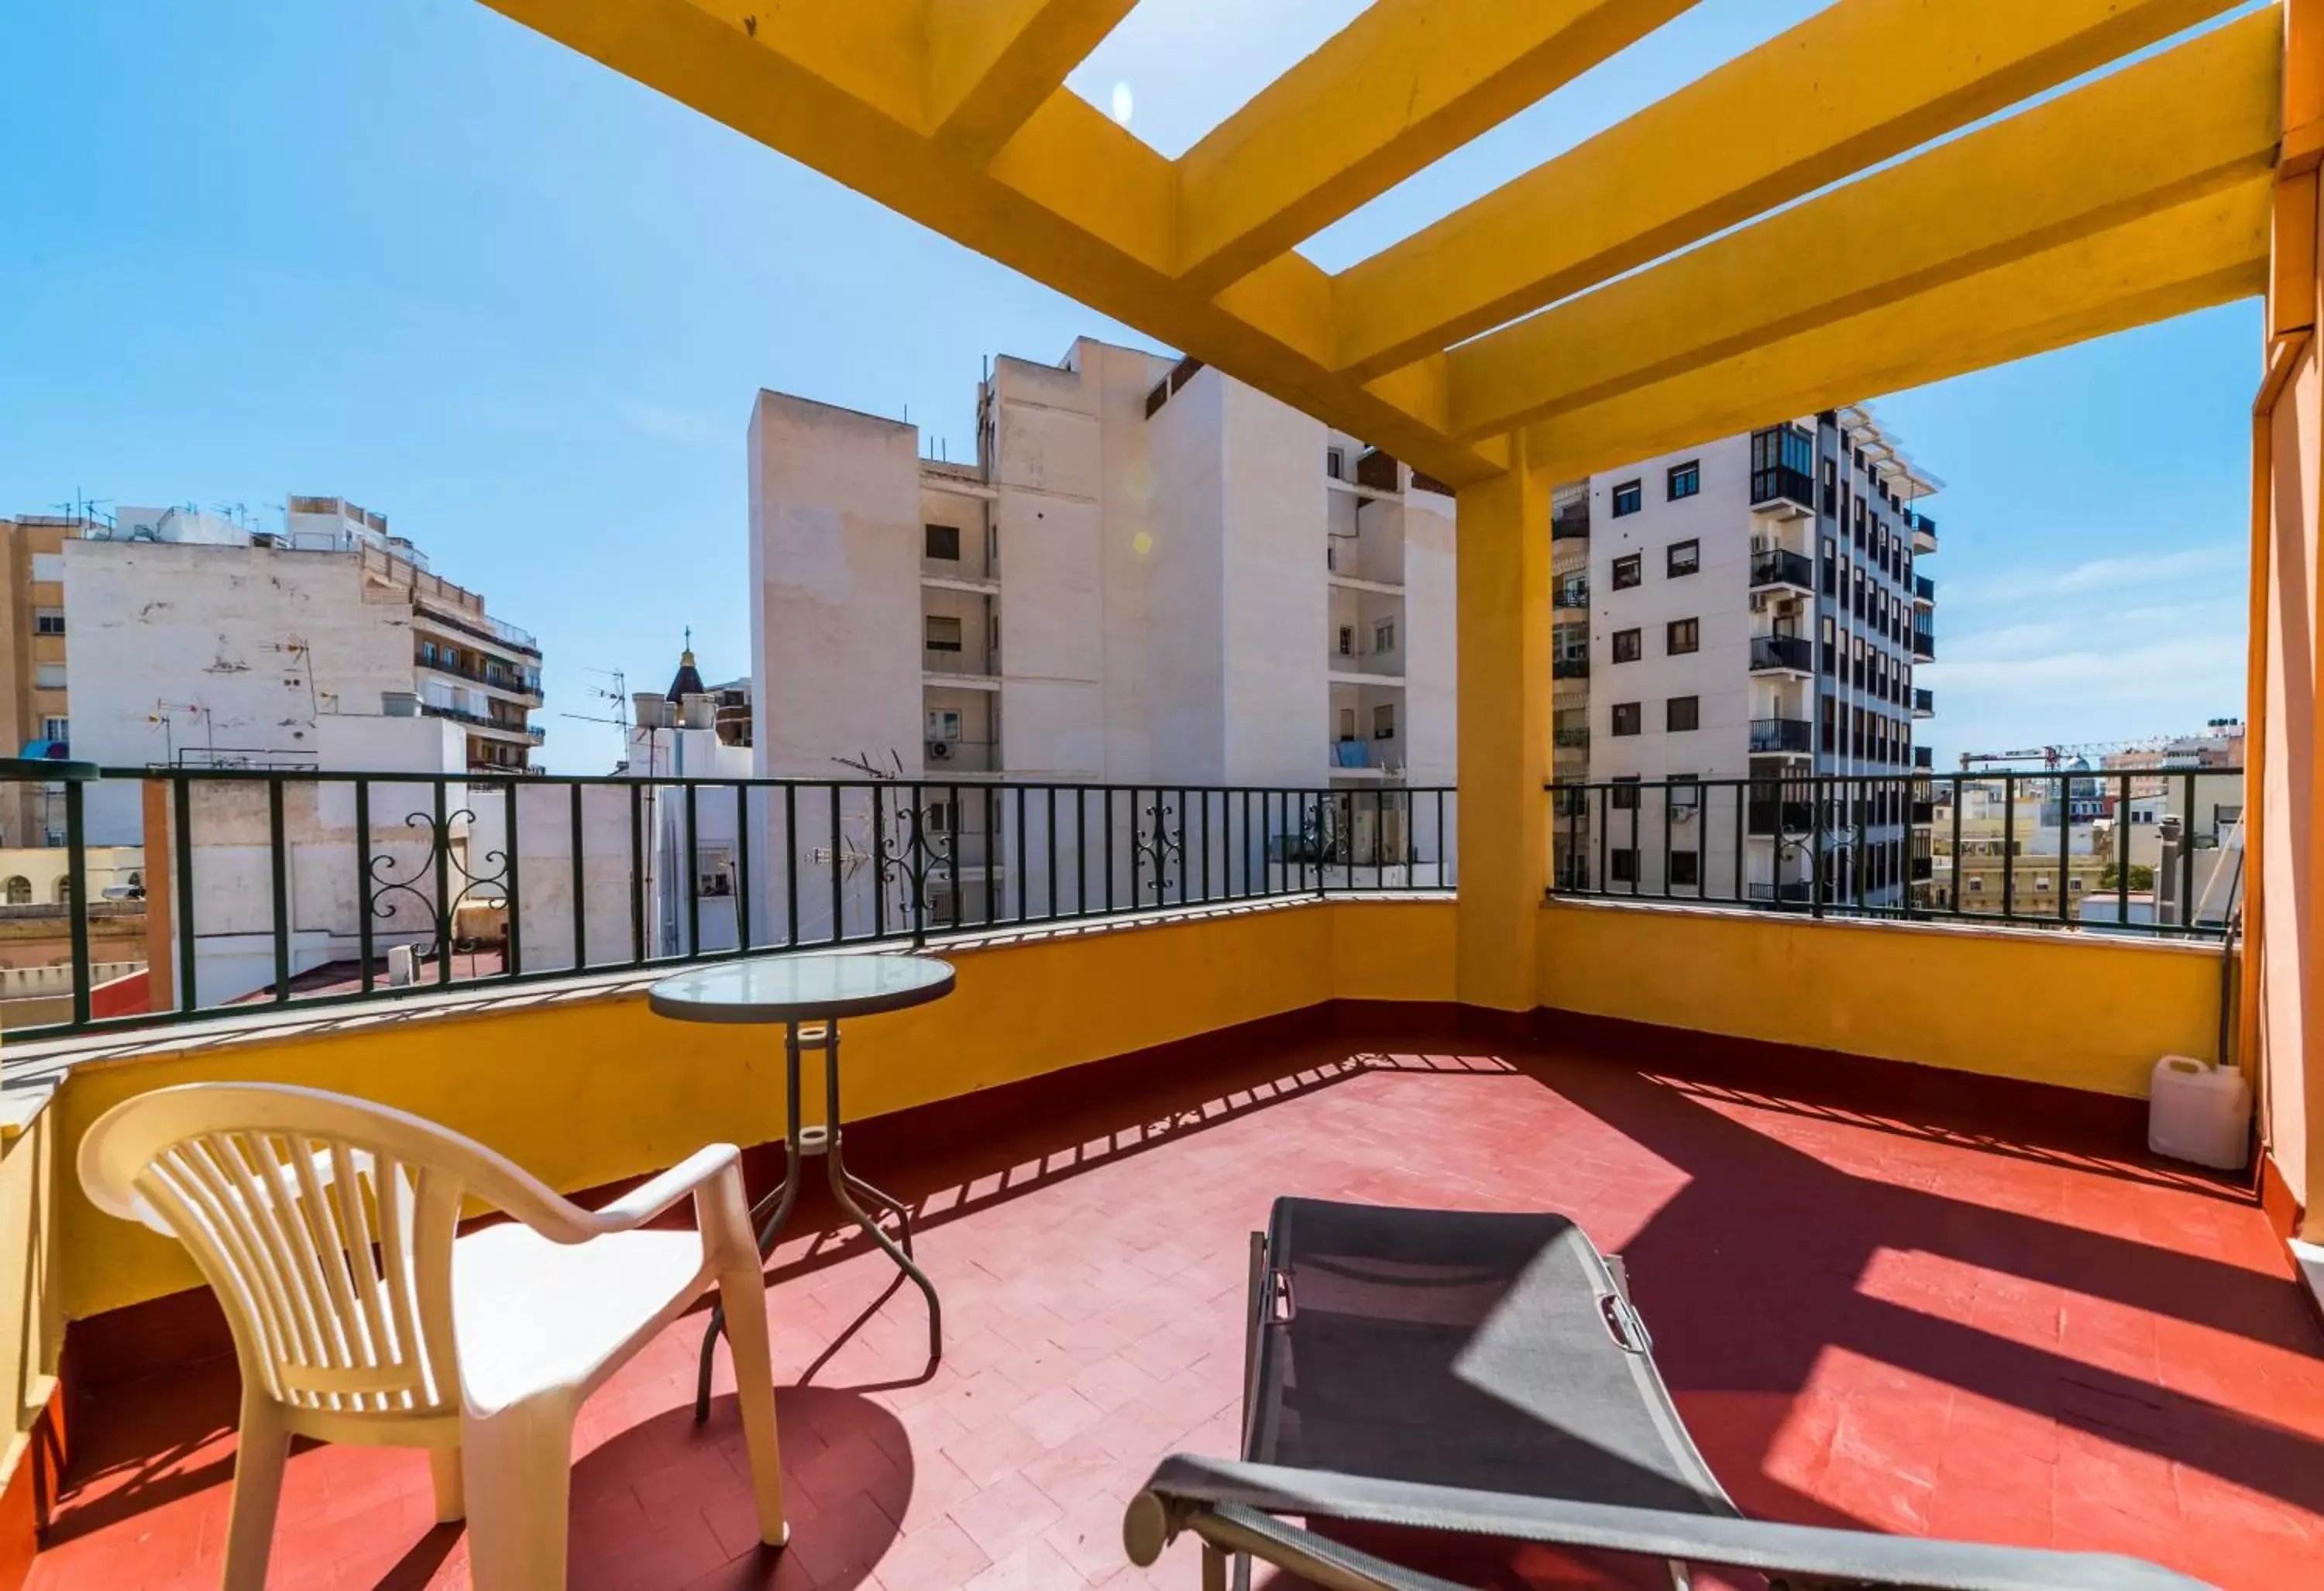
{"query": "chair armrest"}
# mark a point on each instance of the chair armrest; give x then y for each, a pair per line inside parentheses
(641, 1204)
(560, 1220)
(1234, 1504)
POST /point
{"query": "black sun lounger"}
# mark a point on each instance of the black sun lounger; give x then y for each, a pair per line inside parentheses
(1483, 1375)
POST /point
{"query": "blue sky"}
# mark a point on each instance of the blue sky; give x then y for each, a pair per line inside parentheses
(420, 256)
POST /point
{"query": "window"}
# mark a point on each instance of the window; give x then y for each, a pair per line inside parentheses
(1622, 866)
(20, 890)
(943, 633)
(1347, 640)
(1685, 480)
(1684, 796)
(943, 542)
(1629, 497)
(1831, 652)
(1682, 713)
(62, 892)
(1629, 570)
(55, 727)
(1628, 646)
(1977, 887)
(1384, 635)
(1684, 558)
(1627, 718)
(47, 620)
(1384, 722)
(1685, 635)
(1686, 867)
(943, 723)
(1623, 796)
(1335, 463)
(49, 676)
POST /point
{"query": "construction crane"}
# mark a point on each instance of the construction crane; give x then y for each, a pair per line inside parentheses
(2052, 757)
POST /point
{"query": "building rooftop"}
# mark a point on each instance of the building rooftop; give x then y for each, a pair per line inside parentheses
(1878, 1303)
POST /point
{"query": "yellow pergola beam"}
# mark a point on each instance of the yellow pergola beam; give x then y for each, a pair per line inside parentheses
(1858, 83)
(1405, 83)
(2207, 251)
(991, 63)
(1070, 200)
(2201, 116)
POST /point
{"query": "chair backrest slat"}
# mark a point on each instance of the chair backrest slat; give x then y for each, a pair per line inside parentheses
(392, 1193)
(190, 1200)
(252, 1169)
(357, 1230)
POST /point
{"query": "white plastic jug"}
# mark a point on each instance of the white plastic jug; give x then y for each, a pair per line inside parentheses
(2200, 1112)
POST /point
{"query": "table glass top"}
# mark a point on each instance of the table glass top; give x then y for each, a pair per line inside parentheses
(774, 988)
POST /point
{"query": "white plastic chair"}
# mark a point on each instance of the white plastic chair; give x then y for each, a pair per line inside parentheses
(325, 1225)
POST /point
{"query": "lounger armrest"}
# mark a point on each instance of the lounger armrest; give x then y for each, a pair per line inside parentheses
(1233, 1505)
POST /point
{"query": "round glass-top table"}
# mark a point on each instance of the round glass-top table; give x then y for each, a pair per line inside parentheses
(809, 995)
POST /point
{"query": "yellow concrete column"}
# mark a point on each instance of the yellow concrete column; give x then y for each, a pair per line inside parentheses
(1504, 724)
(2285, 973)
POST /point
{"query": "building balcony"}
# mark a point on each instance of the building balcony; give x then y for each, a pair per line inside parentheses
(1924, 591)
(1924, 702)
(1781, 735)
(1570, 521)
(1088, 1128)
(1571, 738)
(524, 686)
(1573, 593)
(1572, 666)
(1924, 643)
(533, 733)
(1923, 529)
(1785, 654)
(1780, 566)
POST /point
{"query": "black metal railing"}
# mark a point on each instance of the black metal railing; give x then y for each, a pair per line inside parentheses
(1783, 651)
(1781, 566)
(2113, 851)
(534, 732)
(1781, 483)
(1770, 735)
(276, 889)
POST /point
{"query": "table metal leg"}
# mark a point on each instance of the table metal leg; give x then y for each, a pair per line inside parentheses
(846, 1187)
(842, 1182)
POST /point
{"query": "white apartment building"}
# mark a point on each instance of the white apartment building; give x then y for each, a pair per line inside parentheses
(197, 642)
(1748, 609)
(1152, 575)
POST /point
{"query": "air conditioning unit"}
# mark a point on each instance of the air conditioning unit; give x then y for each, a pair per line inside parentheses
(940, 750)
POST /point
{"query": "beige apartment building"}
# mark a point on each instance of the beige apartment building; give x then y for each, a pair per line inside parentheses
(34, 715)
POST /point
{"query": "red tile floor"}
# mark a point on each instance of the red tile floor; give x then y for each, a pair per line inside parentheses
(1930, 1321)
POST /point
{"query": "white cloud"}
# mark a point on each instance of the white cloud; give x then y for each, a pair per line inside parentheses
(2011, 587)
(2152, 569)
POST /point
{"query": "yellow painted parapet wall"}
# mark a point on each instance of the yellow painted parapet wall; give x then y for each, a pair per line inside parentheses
(2077, 1010)
(586, 1090)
